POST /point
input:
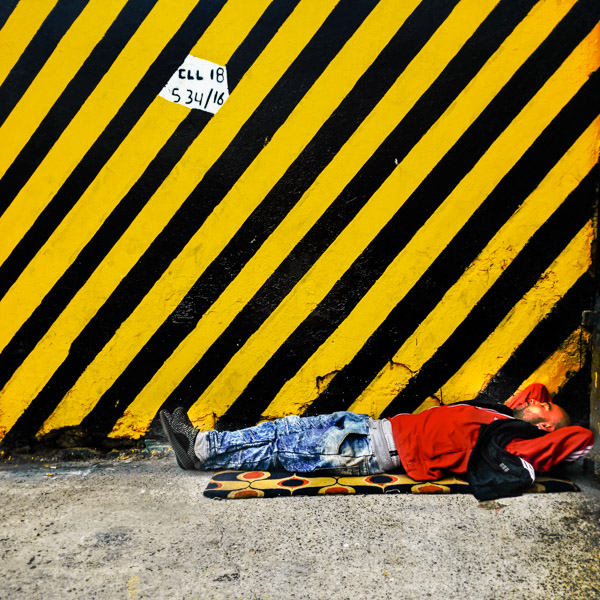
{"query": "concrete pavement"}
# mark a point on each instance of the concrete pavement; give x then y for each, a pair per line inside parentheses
(139, 528)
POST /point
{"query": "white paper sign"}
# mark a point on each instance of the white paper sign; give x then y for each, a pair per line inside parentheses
(198, 84)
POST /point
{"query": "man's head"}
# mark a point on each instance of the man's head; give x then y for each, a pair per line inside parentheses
(546, 415)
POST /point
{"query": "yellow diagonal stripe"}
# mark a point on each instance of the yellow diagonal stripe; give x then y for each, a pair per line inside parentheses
(233, 23)
(317, 105)
(460, 299)
(433, 237)
(554, 283)
(71, 52)
(568, 359)
(138, 55)
(52, 350)
(396, 103)
(19, 29)
(122, 170)
(348, 246)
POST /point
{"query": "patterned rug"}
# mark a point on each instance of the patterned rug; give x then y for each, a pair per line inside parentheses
(265, 484)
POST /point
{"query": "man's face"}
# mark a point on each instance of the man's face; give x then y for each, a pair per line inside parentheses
(545, 415)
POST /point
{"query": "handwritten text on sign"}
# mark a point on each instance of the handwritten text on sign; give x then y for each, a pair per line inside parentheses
(198, 84)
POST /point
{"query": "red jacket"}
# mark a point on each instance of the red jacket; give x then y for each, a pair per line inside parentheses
(442, 438)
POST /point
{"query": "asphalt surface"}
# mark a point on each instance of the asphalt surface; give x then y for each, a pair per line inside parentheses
(138, 527)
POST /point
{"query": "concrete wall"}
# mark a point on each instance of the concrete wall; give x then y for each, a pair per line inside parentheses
(262, 207)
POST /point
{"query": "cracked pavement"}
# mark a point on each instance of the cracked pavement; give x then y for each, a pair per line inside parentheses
(138, 527)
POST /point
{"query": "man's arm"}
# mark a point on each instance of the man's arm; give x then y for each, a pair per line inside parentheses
(566, 444)
(536, 393)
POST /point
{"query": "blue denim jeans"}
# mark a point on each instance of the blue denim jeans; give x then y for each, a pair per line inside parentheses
(338, 443)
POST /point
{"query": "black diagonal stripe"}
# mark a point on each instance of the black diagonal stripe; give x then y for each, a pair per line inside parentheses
(465, 246)
(574, 395)
(43, 43)
(344, 121)
(173, 54)
(511, 286)
(121, 218)
(65, 108)
(315, 57)
(307, 67)
(256, 41)
(83, 175)
(352, 286)
(42, 318)
(6, 9)
(405, 318)
(458, 73)
(337, 29)
(116, 224)
(114, 134)
(542, 342)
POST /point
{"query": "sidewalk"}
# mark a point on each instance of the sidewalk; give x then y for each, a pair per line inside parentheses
(139, 528)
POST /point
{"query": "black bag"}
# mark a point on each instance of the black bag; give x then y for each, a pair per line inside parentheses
(493, 472)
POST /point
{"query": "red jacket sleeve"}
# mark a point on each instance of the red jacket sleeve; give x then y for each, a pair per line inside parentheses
(537, 392)
(565, 444)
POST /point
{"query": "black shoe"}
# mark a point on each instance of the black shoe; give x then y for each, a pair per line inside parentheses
(200, 450)
(182, 437)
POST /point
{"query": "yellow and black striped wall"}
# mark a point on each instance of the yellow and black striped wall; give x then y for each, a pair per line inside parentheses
(390, 201)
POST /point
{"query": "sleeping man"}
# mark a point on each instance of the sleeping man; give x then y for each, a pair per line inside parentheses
(498, 449)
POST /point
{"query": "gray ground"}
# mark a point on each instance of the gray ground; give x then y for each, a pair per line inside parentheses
(138, 528)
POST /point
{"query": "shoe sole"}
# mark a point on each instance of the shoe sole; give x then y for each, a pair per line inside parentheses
(183, 460)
